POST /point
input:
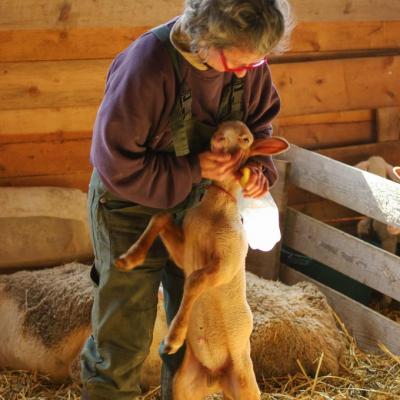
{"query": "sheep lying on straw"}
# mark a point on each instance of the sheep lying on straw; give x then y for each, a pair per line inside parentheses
(45, 319)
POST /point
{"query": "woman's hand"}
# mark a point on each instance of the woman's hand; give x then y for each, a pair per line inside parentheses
(257, 185)
(219, 166)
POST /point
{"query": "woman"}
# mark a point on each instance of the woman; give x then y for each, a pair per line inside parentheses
(165, 95)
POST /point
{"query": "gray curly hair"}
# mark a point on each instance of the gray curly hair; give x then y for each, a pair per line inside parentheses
(263, 26)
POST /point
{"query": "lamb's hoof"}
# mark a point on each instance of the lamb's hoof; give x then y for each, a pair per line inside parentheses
(122, 263)
(168, 350)
(130, 260)
(170, 347)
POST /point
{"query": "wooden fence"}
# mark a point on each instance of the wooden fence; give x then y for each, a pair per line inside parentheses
(338, 83)
(369, 195)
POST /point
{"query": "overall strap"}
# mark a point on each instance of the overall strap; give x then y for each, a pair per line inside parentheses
(231, 103)
(163, 32)
(236, 98)
(181, 118)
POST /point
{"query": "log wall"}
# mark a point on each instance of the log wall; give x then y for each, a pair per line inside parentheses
(339, 83)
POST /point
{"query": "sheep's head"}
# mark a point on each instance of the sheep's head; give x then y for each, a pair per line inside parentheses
(378, 166)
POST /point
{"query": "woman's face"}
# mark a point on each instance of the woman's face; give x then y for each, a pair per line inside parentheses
(235, 60)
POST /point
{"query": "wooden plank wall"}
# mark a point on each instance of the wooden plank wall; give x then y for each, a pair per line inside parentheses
(339, 83)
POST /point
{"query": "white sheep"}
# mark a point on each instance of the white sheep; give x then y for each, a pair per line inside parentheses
(44, 318)
(387, 234)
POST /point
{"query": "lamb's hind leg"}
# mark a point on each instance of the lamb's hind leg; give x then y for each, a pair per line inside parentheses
(240, 381)
(191, 380)
(136, 254)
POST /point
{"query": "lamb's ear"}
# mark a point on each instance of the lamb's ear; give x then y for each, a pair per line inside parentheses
(364, 165)
(268, 146)
(394, 174)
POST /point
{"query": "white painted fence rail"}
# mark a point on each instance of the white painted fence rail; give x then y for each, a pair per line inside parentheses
(361, 191)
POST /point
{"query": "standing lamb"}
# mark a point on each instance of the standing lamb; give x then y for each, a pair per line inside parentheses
(214, 317)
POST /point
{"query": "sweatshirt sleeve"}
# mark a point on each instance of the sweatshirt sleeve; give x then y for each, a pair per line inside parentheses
(263, 107)
(139, 97)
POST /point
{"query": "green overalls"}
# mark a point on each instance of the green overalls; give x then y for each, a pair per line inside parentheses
(125, 303)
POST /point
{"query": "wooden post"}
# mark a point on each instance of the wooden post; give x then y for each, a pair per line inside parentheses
(388, 124)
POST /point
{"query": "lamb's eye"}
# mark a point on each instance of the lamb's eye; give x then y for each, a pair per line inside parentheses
(246, 140)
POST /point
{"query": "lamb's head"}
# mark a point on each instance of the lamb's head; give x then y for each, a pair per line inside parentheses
(235, 135)
(232, 136)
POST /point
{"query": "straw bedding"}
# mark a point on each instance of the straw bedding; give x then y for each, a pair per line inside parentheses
(362, 376)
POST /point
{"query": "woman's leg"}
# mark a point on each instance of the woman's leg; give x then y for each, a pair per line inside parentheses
(125, 303)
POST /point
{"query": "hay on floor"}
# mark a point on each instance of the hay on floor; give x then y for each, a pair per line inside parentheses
(363, 376)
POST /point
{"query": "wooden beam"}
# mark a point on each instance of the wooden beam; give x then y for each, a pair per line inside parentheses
(21, 125)
(290, 58)
(368, 327)
(361, 191)
(339, 117)
(44, 158)
(78, 180)
(66, 43)
(36, 14)
(52, 84)
(323, 86)
(63, 42)
(31, 14)
(320, 136)
(388, 123)
(337, 85)
(351, 155)
(328, 36)
(353, 10)
(55, 137)
(347, 254)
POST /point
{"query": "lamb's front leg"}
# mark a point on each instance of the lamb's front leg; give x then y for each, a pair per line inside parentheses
(136, 254)
(195, 285)
(174, 240)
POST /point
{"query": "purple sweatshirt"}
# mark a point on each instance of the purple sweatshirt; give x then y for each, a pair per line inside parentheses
(132, 124)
